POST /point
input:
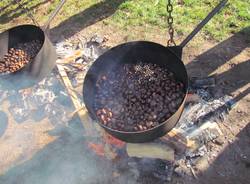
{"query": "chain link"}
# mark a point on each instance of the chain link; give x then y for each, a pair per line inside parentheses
(27, 11)
(170, 21)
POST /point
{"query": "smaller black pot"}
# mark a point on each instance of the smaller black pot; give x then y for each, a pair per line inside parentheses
(36, 69)
(40, 66)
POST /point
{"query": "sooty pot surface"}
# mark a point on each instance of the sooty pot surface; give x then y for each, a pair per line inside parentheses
(40, 66)
(135, 52)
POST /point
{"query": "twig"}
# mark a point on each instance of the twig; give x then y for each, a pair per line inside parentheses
(191, 169)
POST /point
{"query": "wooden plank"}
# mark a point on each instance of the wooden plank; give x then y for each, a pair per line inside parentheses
(80, 109)
(150, 150)
(180, 142)
(71, 58)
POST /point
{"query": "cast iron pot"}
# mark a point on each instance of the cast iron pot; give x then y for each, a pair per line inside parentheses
(40, 66)
(148, 52)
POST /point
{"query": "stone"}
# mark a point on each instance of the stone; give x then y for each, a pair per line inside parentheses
(219, 141)
(97, 39)
(202, 164)
(239, 111)
(181, 170)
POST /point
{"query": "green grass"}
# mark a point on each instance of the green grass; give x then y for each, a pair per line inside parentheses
(151, 13)
(40, 11)
(234, 17)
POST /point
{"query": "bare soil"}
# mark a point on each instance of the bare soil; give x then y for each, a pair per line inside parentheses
(229, 60)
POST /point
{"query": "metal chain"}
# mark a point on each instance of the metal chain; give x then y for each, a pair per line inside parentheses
(27, 11)
(170, 21)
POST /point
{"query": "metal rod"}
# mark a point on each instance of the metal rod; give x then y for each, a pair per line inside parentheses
(52, 16)
(28, 12)
(203, 23)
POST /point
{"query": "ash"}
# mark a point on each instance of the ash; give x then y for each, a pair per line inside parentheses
(48, 98)
(45, 99)
(206, 108)
(90, 50)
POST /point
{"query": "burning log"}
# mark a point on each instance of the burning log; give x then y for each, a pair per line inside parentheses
(97, 148)
(150, 150)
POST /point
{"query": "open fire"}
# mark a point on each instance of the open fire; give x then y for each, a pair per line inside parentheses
(155, 161)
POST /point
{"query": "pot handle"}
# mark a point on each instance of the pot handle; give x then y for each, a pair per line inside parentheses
(52, 16)
(203, 23)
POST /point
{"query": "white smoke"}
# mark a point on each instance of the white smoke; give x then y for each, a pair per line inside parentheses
(40, 144)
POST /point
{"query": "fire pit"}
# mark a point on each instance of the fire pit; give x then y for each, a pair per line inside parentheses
(48, 101)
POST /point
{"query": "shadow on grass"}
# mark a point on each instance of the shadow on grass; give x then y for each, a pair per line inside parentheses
(6, 6)
(78, 22)
(18, 11)
(209, 61)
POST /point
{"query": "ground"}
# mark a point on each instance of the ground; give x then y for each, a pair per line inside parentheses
(229, 59)
(128, 13)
